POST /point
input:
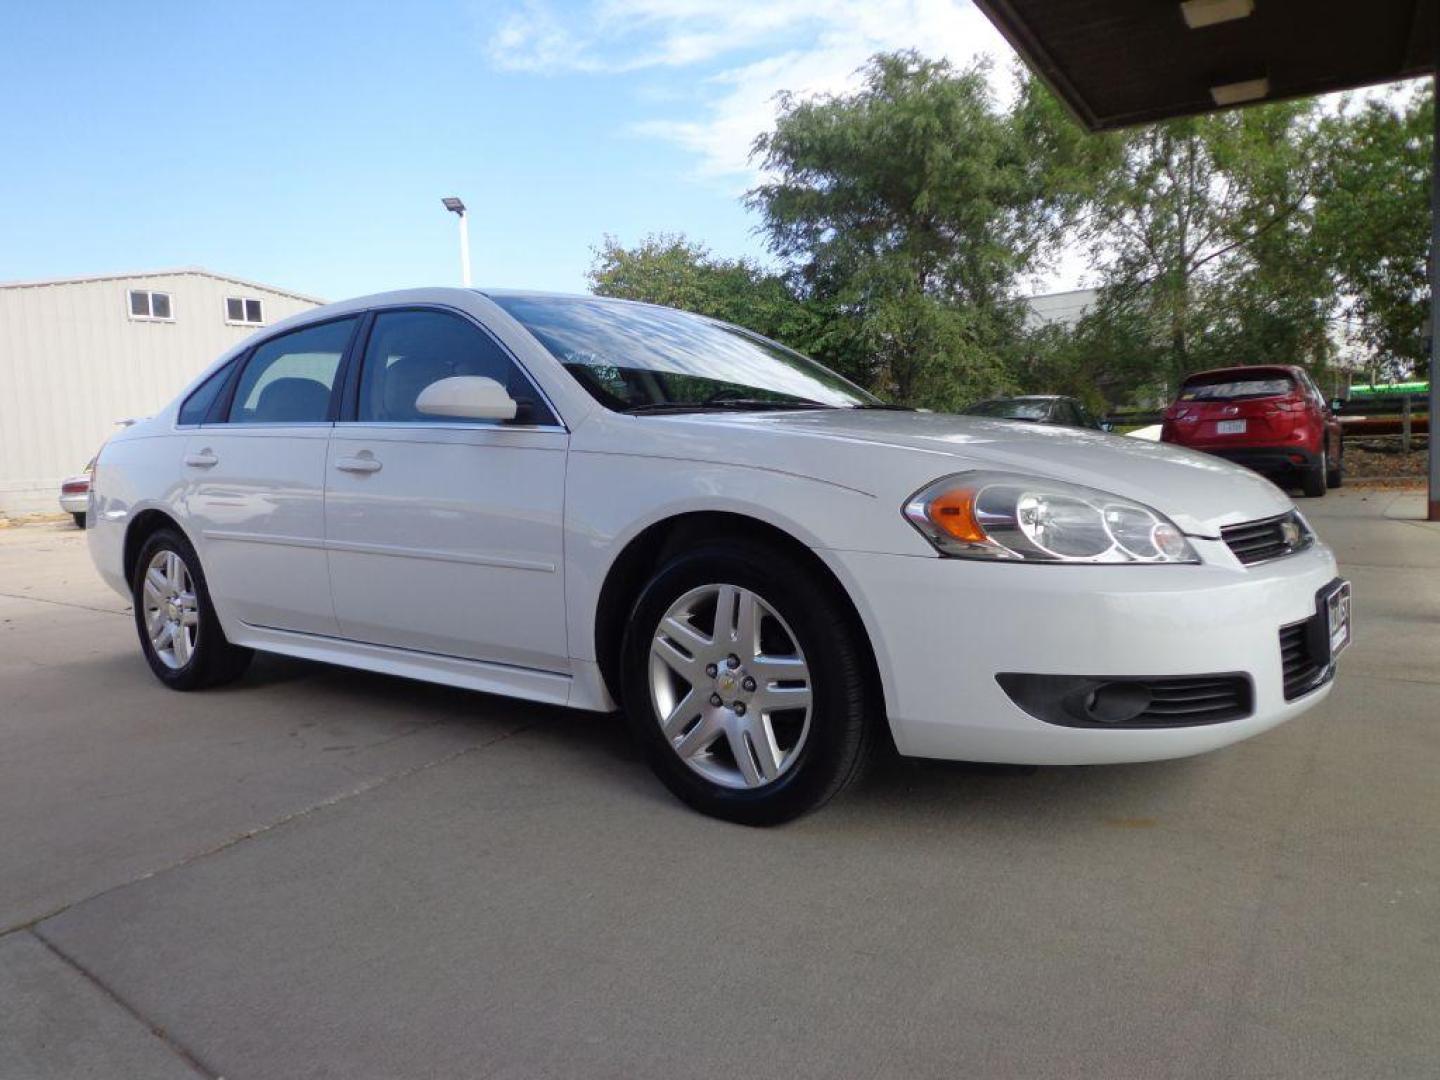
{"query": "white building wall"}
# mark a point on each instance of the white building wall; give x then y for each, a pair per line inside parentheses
(73, 363)
(1065, 308)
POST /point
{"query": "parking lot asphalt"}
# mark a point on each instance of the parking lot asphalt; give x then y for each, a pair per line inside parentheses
(325, 873)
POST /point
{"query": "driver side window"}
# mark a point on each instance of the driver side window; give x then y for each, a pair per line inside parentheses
(409, 350)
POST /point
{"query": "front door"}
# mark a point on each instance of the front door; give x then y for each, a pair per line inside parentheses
(254, 483)
(445, 536)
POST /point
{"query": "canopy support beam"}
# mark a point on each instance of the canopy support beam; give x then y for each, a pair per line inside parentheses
(1434, 423)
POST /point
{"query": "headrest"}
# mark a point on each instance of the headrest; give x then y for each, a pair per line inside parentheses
(292, 399)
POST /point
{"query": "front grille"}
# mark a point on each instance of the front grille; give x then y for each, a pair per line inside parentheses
(1204, 700)
(1302, 672)
(1269, 538)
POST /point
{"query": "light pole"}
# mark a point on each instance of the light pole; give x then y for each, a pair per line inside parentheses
(456, 207)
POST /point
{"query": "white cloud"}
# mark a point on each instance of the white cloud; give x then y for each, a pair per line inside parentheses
(745, 52)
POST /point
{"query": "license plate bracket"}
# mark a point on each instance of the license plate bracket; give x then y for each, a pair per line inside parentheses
(1332, 618)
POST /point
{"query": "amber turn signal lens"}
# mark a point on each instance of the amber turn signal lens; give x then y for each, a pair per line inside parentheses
(953, 512)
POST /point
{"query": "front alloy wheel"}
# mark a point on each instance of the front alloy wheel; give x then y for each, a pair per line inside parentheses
(747, 681)
(730, 686)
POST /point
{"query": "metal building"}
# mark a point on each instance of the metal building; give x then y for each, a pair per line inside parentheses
(78, 355)
(1062, 308)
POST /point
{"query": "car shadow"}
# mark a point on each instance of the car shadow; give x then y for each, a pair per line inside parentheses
(895, 792)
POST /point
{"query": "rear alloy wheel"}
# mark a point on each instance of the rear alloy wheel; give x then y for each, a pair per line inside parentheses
(171, 609)
(744, 683)
(1335, 475)
(1312, 479)
(179, 633)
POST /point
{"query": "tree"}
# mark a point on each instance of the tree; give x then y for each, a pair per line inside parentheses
(1109, 356)
(1373, 220)
(905, 212)
(1204, 227)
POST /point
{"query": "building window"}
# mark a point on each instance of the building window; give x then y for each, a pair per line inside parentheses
(150, 305)
(244, 311)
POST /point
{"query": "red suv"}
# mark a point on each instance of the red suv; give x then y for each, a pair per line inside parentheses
(1272, 419)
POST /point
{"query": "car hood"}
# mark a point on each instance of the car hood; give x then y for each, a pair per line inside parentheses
(880, 451)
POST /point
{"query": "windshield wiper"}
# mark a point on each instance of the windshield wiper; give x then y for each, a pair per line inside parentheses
(881, 406)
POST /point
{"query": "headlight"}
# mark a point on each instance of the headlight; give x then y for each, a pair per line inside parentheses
(985, 515)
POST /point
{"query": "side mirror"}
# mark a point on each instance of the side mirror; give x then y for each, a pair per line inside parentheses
(466, 397)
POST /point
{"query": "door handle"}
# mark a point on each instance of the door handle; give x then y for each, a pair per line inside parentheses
(358, 464)
(203, 460)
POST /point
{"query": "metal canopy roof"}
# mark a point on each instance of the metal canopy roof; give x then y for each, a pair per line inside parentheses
(1122, 62)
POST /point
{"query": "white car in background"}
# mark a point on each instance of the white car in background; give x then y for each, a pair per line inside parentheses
(597, 503)
(75, 494)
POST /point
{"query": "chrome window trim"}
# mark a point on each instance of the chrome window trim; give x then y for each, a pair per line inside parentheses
(424, 425)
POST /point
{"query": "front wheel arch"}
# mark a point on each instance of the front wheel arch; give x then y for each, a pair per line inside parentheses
(654, 546)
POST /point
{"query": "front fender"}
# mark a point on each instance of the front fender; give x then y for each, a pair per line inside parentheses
(612, 498)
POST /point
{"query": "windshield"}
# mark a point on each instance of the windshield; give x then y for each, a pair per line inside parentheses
(641, 358)
(1233, 389)
(1011, 409)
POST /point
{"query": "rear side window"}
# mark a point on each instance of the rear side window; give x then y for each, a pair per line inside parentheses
(409, 350)
(197, 405)
(1234, 389)
(1011, 409)
(289, 378)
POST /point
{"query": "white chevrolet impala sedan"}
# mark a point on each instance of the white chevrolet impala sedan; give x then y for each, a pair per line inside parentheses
(606, 504)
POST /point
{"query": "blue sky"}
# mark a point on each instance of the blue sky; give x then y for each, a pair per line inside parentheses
(307, 145)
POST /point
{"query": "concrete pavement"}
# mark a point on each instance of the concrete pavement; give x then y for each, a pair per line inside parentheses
(324, 873)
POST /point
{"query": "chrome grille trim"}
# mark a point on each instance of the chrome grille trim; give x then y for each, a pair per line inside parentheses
(1254, 542)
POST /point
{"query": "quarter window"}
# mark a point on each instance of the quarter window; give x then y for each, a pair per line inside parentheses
(409, 350)
(244, 310)
(197, 405)
(289, 378)
(145, 304)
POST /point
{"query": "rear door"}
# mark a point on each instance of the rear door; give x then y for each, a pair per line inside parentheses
(254, 481)
(445, 536)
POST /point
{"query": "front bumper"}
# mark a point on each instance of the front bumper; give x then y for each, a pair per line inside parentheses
(943, 629)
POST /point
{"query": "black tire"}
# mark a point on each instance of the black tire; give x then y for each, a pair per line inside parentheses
(79, 520)
(1312, 479)
(1335, 476)
(845, 712)
(213, 660)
